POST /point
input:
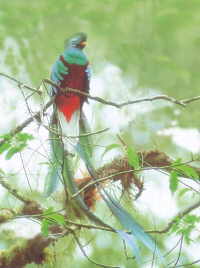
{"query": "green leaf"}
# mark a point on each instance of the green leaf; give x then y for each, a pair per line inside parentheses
(44, 163)
(173, 181)
(4, 147)
(24, 137)
(185, 226)
(184, 191)
(53, 216)
(15, 150)
(6, 137)
(186, 170)
(58, 218)
(45, 227)
(14, 144)
(189, 171)
(48, 211)
(191, 219)
(133, 158)
(110, 147)
(175, 226)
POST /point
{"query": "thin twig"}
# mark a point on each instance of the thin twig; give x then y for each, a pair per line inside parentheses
(187, 264)
(179, 253)
(89, 226)
(28, 121)
(91, 183)
(25, 172)
(13, 191)
(75, 137)
(84, 253)
(179, 215)
(21, 84)
(173, 248)
(187, 101)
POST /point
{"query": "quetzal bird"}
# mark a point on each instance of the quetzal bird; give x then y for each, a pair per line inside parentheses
(71, 70)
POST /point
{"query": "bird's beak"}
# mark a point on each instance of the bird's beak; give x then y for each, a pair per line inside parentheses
(83, 43)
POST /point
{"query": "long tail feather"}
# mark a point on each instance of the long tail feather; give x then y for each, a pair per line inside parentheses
(132, 242)
(72, 189)
(57, 152)
(130, 224)
(125, 219)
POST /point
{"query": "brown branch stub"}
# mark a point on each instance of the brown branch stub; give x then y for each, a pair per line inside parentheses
(31, 208)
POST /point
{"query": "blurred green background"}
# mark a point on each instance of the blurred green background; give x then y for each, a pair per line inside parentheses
(155, 43)
(137, 48)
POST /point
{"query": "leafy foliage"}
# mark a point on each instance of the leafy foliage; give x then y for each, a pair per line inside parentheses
(154, 44)
(50, 217)
(186, 226)
(183, 169)
(173, 181)
(14, 144)
(133, 158)
(110, 147)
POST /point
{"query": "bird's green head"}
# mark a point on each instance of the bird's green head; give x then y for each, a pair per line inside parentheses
(77, 40)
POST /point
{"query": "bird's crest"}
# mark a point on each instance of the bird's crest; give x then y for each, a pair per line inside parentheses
(76, 39)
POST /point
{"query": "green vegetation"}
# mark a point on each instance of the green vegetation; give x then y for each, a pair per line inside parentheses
(137, 49)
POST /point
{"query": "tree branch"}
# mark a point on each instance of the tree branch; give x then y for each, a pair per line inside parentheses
(29, 120)
(22, 84)
(84, 253)
(120, 170)
(32, 251)
(117, 105)
(187, 101)
(13, 191)
(98, 99)
(179, 215)
(75, 137)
